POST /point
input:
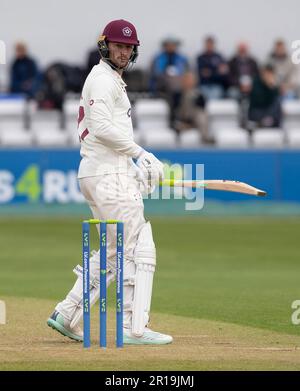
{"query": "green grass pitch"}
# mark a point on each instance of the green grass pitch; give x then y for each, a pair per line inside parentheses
(223, 288)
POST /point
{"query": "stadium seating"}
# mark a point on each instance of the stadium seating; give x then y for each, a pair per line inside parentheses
(152, 120)
(23, 124)
(222, 113)
(190, 138)
(291, 111)
(293, 137)
(47, 128)
(152, 114)
(159, 138)
(232, 138)
(14, 121)
(70, 109)
(268, 138)
(16, 137)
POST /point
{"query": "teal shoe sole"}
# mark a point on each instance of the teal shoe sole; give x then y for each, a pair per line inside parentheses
(58, 327)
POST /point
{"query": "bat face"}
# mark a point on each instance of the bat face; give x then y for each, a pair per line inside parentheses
(234, 186)
(217, 184)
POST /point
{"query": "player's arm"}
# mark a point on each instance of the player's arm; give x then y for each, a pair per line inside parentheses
(104, 94)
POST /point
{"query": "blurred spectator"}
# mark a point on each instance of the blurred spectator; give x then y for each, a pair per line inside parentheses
(25, 76)
(242, 69)
(52, 92)
(265, 108)
(166, 71)
(93, 59)
(212, 71)
(58, 79)
(190, 112)
(168, 67)
(285, 70)
(137, 80)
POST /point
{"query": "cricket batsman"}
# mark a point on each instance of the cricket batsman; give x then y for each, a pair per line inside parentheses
(112, 184)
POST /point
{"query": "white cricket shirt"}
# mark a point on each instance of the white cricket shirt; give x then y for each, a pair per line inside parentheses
(105, 126)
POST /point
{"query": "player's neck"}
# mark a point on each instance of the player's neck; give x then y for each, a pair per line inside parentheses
(114, 67)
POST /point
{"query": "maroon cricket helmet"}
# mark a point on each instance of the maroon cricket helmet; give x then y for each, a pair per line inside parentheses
(121, 31)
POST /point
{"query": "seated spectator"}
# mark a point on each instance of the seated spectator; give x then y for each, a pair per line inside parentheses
(59, 79)
(93, 59)
(136, 80)
(285, 70)
(168, 67)
(25, 76)
(212, 71)
(53, 88)
(264, 107)
(242, 69)
(190, 112)
(166, 71)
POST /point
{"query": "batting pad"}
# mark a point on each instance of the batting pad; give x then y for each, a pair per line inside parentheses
(145, 261)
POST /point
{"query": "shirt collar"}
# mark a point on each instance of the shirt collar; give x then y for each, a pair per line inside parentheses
(114, 73)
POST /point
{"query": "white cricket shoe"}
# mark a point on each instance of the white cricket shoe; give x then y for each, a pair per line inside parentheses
(62, 325)
(148, 338)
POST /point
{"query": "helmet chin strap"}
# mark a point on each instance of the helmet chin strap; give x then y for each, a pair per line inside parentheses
(128, 66)
(114, 66)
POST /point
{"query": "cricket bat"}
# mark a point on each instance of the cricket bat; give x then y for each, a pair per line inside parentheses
(216, 184)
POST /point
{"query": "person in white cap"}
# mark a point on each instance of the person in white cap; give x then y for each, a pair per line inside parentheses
(112, 184)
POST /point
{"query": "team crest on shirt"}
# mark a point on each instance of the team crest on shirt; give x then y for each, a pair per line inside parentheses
(127, 31)
(129, 112)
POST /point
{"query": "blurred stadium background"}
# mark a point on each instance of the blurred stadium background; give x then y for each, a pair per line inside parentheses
(38, 138)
